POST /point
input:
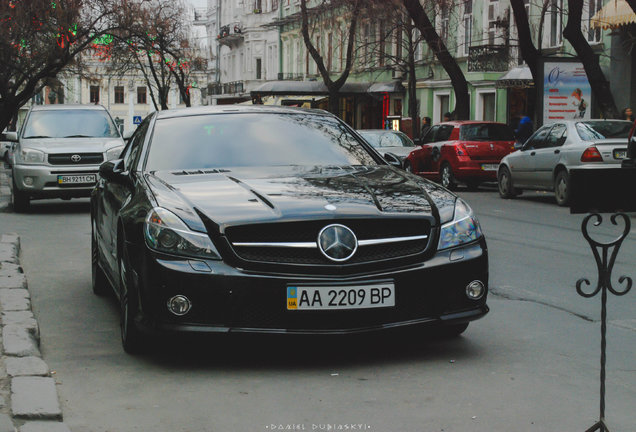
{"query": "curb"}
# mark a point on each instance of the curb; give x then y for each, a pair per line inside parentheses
(5, 192)
(28, 394)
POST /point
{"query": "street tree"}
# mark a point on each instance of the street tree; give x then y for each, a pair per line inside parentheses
(326, 13)
(39, 38)
(395, 28)
(443, 55)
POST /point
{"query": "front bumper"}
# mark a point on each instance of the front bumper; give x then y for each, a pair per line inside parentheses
(226, 299)
(44, 180)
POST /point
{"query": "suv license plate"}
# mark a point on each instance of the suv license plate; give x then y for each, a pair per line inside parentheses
(341, 297)
(489, 167)
(76, 179)
(620, 153)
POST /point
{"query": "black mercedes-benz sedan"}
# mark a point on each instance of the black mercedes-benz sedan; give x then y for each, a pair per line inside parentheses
(277, 220)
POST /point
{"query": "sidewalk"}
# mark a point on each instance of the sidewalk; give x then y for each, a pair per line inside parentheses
(28, 393)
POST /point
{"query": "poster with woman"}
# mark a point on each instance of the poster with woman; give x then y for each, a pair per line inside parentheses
(566, 92)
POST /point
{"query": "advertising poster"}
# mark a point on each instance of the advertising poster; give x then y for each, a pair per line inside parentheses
(567, 93)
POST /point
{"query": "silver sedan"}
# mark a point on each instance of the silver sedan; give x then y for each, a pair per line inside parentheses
(546, 158)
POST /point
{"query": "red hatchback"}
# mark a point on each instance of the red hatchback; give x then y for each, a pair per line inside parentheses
(465, 152)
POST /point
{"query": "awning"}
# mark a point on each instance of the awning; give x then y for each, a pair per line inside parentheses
(319, 88)
(614, 14)
(517, 77)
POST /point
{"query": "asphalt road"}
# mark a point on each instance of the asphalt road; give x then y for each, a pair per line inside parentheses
(530, 365)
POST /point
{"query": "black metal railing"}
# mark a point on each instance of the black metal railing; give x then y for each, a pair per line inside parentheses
(605, 256)
(488, 58)
(233, 87)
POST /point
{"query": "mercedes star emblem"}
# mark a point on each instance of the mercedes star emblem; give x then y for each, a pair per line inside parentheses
(337, 242)
(76, 158)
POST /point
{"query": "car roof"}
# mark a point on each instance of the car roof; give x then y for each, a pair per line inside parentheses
(233, 109)
(572, 121)
(379, 130)
(67, 107)
(465, 122)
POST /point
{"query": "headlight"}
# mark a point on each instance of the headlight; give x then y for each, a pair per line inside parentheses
(114, 153)
(30, 156)
(165, 232)
(464, 227)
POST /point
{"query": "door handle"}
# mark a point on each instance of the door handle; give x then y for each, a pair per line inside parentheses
(557, 151)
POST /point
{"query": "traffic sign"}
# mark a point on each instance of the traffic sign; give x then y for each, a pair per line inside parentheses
(136, 120)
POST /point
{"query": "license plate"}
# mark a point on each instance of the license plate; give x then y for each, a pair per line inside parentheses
(341, 297)
(620, 153)
(76, 179)
(489, 167)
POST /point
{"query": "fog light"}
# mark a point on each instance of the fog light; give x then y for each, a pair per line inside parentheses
(179, 305)
(28, 181)
(475, 290)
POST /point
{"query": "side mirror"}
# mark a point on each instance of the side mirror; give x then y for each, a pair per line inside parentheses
(113, 171)
(393, 160)
(10, 136)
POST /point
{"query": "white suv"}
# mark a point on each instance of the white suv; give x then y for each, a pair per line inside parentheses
(59, 151)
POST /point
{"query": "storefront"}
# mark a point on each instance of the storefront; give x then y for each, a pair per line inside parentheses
(521, 98)
(362, 105)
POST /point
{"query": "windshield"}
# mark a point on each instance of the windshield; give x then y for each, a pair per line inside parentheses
(251, 139)
(603, 129)
(387, 139)
(486, 132)
(70, 123)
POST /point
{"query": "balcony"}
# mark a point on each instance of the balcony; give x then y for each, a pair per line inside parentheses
(488, 58)
(200, 16)
(230, 34)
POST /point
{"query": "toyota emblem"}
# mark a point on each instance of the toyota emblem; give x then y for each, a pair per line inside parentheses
(76, 158)
(337, 242)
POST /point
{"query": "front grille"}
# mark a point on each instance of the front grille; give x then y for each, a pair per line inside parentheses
(67, 159)
(307, 232)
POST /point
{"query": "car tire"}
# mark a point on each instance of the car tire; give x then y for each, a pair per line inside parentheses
(132, 339)
(504, 181)
(561, 188)
(100, 284)
(20, 200)
(447, 178)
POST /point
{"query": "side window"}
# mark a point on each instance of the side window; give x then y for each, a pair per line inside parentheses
(557, 136)
(444, 133)
(537, 140)
(132, 150)
(430, 135)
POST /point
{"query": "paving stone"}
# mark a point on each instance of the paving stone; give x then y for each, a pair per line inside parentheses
(13, 281)
(8, 253)
(18, 341)
(10, 269)
(35, 398)
(6, 424)
(10, 238)
(21, 318)
(15, 299)
(26, 366)
(44, 426)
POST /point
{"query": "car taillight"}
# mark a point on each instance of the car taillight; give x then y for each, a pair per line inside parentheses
(460, 150)
(591, 154)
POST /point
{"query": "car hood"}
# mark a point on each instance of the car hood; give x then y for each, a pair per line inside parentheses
(71, 145)
(250, 195)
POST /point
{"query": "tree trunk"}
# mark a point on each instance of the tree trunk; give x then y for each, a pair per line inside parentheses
(529, 52)
(413, 113)
(600, 86)
(448, 62)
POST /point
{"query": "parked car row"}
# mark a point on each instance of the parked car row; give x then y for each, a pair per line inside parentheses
(472, 152)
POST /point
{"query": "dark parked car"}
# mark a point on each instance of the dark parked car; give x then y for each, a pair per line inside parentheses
(465, 152)
(277, 220)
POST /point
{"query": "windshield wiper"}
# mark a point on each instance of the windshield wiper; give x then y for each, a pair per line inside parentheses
(38, 136)
(79, 136)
